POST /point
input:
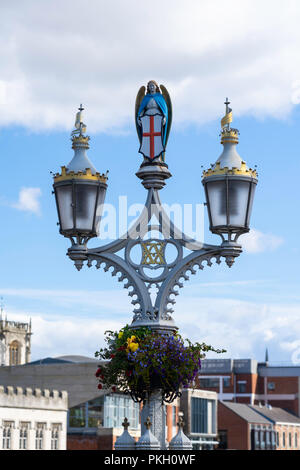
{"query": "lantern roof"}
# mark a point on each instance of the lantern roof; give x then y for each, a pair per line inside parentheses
(80, 143)
(80, 167)
(229, 162)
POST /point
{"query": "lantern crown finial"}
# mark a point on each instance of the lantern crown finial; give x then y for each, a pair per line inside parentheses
(80, 167)
(229, 161)
(80, 127)
(78, 137)
(228, 134)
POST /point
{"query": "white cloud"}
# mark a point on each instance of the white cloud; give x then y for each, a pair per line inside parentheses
(29, 200)
(100, 299)
(256, 241)
(244, 328)
(55, 55)
(57, 336)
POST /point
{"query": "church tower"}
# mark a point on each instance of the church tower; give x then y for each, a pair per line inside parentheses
(15, 342)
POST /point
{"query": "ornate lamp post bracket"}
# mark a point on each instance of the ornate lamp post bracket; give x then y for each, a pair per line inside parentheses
(141, 261)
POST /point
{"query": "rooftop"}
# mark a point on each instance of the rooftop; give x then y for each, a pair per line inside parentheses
(65, 359)
(246, 412)
(277, 415)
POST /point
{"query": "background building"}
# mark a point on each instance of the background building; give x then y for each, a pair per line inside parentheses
(32, 419)
(286, 426)
(200, 416)
(246, 427)
(247, 381)
(95, 416)
(15, 342)
(240, 425)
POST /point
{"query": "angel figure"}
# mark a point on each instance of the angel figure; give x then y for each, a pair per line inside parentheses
(153, 117)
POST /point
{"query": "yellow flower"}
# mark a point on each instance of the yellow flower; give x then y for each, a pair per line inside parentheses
(120, 334)
(131, 340)
(133, 346)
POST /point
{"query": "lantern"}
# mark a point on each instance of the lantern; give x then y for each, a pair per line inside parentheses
(79, 191)
(229, 187)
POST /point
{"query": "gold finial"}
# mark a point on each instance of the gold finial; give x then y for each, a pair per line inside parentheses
(228, 134)
(227, 119)
(148, 423)
(80, 127)
(126, 424)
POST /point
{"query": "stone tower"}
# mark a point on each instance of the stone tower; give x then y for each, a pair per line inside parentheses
(15, 342)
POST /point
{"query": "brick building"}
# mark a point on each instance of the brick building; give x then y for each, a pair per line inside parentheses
(246, 381)
(246, 427)
(237, 422)
(286, 426)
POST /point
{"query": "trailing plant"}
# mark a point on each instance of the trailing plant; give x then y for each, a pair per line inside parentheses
(140, 361)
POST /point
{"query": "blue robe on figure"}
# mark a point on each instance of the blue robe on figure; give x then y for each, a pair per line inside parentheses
(160, 101)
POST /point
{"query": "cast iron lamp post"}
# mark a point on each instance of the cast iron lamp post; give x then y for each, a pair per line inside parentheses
(80, 192)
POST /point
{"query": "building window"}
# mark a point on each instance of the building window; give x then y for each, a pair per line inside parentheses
(255, 441)
(277, 442)
(283, 439)
(223, 440)
(95, 412)
(271, 386)
(290, 439)
(55, 431)
(39, 436)
(116, 408)
(14, 353)
(241, 386)
(108, 411)
(262, 436)
(296, 440)
(273, 439)
(6, 436)
(77, 416)
(199, 415)
(209, 383)
(23, 439)
(226, 382)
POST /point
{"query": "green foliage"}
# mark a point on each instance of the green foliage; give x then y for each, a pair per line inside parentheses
(141, 360)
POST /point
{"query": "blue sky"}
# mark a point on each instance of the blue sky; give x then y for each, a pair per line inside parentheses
(54, 65)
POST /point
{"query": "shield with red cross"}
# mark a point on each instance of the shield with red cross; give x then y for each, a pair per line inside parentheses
(152, 142)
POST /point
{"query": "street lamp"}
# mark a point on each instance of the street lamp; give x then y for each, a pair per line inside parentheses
(80, 192)
(229, 185)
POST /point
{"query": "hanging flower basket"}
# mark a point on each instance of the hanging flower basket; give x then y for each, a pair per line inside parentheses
(141, 362)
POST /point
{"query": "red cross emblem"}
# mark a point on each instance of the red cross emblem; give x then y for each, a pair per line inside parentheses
(152, 145)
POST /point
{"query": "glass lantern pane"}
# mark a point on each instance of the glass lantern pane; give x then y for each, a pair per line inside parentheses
(253, 187)
(64, 199)
(99, 210)
(85, 201)
(238, 193)
(217, 202)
